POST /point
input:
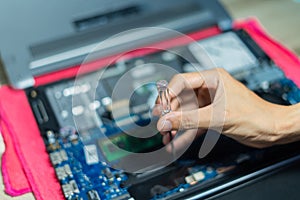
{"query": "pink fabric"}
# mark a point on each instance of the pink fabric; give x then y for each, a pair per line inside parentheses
(10, 163)
(26, 157)
(29, 148)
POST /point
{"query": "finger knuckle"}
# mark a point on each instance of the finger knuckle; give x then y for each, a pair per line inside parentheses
(187, 122)
(221, 71)
(177, 77)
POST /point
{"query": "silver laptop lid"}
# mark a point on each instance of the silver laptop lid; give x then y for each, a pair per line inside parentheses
(38, 37)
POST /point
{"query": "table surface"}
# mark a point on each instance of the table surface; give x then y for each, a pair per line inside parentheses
(281, 20)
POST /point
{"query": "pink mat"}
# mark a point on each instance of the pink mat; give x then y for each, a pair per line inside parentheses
(25, 164)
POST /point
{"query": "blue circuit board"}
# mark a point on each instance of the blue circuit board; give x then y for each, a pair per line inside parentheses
(292, 94)
(83, 176)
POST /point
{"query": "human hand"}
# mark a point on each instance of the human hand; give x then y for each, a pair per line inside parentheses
(225, 105)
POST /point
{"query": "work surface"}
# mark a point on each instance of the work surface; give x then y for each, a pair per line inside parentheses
(281, 19)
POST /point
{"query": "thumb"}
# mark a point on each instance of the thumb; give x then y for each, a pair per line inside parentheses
(192, 119)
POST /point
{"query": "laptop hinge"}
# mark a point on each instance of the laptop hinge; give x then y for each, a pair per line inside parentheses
(20, 78)
(225, 25)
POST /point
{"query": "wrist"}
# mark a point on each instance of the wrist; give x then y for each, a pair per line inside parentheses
(287, 124)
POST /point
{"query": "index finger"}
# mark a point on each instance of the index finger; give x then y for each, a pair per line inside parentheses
(193, 80)
(184, 81)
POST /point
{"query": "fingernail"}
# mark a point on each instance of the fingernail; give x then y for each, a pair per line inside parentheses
(165, 125)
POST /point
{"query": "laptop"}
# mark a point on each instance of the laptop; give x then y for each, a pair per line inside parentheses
(96, 120)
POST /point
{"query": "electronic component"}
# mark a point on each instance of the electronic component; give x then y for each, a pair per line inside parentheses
(107, 173)
(200, 173)
(93, 195)
(226, 50)
(164, 96)
(53, 144)
(194, 178)
(63, 172)
(58, 156)
(70, 188)
(112, 148)
(91, 155)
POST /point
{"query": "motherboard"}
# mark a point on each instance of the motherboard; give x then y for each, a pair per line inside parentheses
(86, 136)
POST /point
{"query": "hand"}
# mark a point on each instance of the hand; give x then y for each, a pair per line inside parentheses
(226, 105)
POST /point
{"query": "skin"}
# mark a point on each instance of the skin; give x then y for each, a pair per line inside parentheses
(246, 117)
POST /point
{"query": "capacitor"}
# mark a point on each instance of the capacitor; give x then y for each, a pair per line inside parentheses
(164, 96)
